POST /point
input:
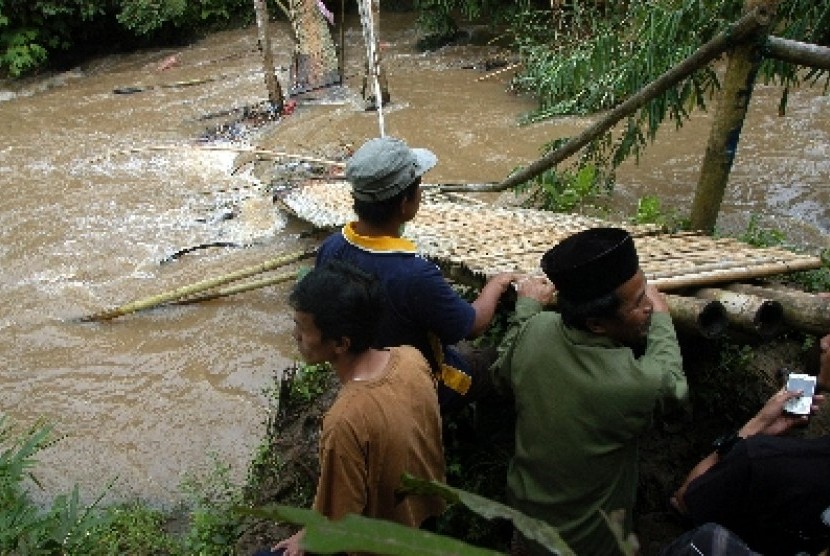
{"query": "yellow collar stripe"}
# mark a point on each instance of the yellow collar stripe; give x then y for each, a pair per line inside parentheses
(378, 244)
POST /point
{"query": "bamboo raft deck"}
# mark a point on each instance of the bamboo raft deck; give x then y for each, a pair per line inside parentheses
(482, 240)
(700, 275)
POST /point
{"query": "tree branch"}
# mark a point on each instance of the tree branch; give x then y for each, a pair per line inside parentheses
(800, 53)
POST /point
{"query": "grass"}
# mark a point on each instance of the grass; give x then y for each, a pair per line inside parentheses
(70, 528)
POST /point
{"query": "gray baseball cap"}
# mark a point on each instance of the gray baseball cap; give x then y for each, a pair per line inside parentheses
(383, 167)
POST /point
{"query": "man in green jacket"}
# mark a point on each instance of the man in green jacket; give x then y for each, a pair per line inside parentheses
(585, 382)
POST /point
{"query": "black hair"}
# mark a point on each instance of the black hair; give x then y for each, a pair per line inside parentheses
(379, 213)
(343, 300)
(576, 313)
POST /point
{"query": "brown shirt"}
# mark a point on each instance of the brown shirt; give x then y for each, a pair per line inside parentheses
(375, 431)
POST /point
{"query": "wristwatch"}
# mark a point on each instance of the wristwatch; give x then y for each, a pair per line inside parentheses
(724, 443)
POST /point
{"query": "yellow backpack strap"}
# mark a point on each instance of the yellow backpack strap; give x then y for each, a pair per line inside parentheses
(454, 379)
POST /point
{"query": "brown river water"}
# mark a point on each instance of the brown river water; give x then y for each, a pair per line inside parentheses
(92, 204)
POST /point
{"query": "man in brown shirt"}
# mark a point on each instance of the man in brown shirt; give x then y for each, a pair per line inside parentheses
(385, 419)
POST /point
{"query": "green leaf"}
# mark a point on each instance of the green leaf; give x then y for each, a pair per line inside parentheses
(531, 528)
(356, 533)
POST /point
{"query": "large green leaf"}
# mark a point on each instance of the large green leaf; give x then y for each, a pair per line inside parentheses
(535, 529)
(356, 533)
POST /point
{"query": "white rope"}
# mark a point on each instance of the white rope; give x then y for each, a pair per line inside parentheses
(367, 22)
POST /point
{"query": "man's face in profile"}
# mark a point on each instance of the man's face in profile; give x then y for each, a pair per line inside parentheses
(631, 324)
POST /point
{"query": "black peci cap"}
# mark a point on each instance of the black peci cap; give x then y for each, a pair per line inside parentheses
(591, 263)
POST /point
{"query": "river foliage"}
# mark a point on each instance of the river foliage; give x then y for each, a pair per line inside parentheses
(34, 35)
(601, 53)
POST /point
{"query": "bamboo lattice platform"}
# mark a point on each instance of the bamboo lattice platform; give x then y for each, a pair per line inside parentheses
(485, 240)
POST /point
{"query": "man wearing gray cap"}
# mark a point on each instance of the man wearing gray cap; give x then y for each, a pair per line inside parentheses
(422, 309)
(586, 381)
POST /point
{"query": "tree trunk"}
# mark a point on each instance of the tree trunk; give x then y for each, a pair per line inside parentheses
(727, 123)
(315, 64)
(272, 84)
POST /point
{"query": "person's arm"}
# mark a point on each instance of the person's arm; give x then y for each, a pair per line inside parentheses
(662, 359)
(291, 545)
(823, 378)
(533, 294)
(658, 300)
(343, 483)
(770, 420)
(538, 288)
(487, 300)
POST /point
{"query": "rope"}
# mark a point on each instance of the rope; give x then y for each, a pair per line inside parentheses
(367, 22)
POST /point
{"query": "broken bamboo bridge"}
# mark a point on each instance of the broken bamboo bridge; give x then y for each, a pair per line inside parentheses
(711, 284)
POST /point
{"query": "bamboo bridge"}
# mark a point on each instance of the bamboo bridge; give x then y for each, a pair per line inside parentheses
(709, 282)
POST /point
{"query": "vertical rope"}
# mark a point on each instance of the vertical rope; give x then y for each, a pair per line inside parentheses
(367, 22)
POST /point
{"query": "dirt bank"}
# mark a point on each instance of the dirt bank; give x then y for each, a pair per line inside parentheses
(729, 381)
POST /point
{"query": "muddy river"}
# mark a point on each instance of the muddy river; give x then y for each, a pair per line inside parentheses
(99, 188)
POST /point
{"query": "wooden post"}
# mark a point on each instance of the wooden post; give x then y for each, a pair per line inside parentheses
(272, 84)
(741, 69)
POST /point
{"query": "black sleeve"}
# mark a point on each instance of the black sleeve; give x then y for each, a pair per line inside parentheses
(722, 493)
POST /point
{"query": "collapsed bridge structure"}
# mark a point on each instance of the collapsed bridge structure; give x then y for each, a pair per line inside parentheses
(710, 282)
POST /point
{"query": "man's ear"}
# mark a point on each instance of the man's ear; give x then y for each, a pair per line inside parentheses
(404, 207)
(596, 325)
(342, 345)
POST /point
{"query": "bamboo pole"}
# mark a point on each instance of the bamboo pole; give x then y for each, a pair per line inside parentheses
(760, 316)
(375, 86)
(682, 281)
(727, 124)
(803, 311)
(499, 71)
(239, 288)
(800, 53)
(706, 317)
(746, 26)
(265, 152)
(191, 289)
(341, 56)
(229, 148)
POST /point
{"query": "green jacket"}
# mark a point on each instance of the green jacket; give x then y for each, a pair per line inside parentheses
(582, 402)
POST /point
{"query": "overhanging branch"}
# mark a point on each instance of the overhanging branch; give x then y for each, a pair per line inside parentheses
(745, 27)
(800, 53)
